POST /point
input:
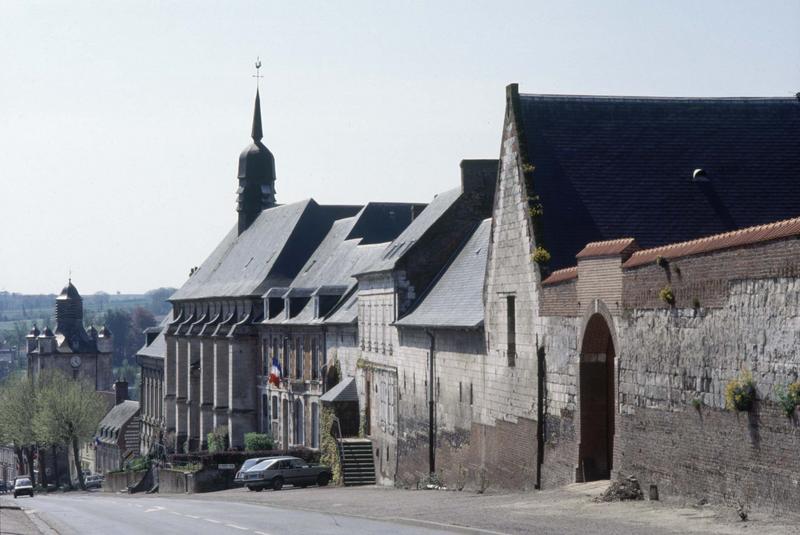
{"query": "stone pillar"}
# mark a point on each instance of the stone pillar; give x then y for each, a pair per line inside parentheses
(206, 390)
(181, 391)
(193, 394)
(221, 354)
(170, 365)
(243, 389)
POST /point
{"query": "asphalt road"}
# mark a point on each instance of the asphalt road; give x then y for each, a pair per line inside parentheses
(93, 513)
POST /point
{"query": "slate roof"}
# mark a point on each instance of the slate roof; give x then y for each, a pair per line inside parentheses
(333, 263)
(455, 300)
(345, 390)
(118, 416)
(158, 347)
(406, 240)
(346, 312)
(267, 254)
(607, 167)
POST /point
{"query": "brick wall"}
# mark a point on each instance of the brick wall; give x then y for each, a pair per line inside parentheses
(705, 277)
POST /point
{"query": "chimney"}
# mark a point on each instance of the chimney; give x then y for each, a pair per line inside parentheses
(478, 180)
(121, 390)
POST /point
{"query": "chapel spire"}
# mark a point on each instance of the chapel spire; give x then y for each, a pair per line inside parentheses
(256, 172)
(257, 134)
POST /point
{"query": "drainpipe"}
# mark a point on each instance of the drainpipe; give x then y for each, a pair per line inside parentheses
(431, 407)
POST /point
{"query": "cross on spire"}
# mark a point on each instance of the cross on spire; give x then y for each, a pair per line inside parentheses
(258, 75)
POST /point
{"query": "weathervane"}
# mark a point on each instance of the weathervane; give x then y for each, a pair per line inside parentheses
(257, 75)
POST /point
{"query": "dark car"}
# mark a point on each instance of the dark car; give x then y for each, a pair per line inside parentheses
(247, 465)
(23, 485)
(3, 487)
(276, 472)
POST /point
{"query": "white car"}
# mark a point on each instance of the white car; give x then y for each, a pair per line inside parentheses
(94, 481)
(23, 485)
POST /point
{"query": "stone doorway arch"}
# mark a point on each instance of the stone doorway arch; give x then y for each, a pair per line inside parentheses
(597, 389)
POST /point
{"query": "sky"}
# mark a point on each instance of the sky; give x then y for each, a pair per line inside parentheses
(121, 122)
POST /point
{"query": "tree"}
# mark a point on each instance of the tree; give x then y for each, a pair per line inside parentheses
(158, 300)
(68, 412)
(17, 410)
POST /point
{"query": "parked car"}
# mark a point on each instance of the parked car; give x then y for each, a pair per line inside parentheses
(94, 481)
(23, 485)
(276, 472)
(3, 487)
(248, 464)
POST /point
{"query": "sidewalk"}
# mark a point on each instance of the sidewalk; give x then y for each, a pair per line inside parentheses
(568, 509)
(13, 520)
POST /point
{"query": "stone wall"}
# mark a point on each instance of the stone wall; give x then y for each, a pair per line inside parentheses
(672, 427)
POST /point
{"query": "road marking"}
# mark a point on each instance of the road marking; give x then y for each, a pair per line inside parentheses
(237, 527)
(212, 521)
(176, 513)
(192, 516)
(260, 532)
(153, 509)
(138, 505)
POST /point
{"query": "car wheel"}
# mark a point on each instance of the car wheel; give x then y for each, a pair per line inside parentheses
(323, 479)
(277, 484)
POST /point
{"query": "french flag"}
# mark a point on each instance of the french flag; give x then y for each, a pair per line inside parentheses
(275, 372)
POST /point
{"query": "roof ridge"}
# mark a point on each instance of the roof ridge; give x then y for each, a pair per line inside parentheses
(654, 98)
(561, 275)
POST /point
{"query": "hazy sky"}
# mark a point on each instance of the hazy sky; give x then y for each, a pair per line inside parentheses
(122, 122)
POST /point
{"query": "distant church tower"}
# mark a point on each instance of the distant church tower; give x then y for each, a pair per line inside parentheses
(256, 175)
(72, 349)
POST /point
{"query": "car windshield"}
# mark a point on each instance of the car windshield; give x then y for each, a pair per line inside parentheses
(263, 465)
(22, 482)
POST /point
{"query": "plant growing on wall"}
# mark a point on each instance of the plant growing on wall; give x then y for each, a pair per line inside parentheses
(541, 255)
(788, 397)
(740, 393)
(329, 451)
(218, 439)
(666, 295)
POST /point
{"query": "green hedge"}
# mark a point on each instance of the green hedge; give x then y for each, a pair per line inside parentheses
(257, 442)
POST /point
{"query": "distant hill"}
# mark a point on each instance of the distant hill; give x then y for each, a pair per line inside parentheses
(39, 309)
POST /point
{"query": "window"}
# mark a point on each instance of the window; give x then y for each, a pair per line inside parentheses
(265, 414)
(470, 394)
(275, 348)
(314, 359)
(298, 358)
(299, 431)
(265, 357)
(285, 357)
(275, 415)
(315, 425)
(511, 326)
(460, 394)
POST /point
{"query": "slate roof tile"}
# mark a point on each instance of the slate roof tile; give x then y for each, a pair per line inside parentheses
(607, 167)
(456, 299)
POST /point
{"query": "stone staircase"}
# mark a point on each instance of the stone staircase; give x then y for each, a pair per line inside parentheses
(358, 465)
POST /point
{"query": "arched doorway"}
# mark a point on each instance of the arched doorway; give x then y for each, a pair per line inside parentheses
(597, 388)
